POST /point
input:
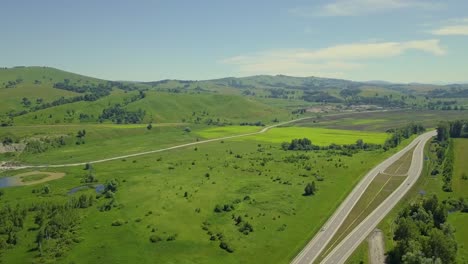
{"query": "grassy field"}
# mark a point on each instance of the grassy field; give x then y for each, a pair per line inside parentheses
(109, 140)
(36, 82)
(319, 136)
(459, 220)
(275, 206)
(360, 255)
(101, 141)
(217, 132)
(173, 194)
(382, 121)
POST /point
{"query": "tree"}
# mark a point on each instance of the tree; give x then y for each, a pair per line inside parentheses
(441, 246)
(111, 186)
(46, 189)
(442, 132)
(149, 126)
(238, 220)
(226, 247)
(456, 128)
(310, 189)
(26, 101)
(88, 166)
(360, 143)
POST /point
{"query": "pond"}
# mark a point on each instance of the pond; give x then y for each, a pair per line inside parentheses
(7, 182)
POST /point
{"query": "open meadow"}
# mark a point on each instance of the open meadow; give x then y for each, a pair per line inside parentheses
(173, 199)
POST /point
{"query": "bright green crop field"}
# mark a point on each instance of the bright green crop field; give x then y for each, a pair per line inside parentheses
(320, 136)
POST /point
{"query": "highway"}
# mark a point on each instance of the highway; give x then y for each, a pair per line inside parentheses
(343, 250)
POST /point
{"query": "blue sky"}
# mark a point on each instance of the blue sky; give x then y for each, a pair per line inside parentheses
(393, 40)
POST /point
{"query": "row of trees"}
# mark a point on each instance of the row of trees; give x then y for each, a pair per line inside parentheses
(401, 134)
(453, 129)
(120, 115)
(346, 149)
(100, 90)
(445, 155)
(40, 145)
(258, 123)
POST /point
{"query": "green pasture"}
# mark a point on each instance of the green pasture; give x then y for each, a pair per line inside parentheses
(381, 121)
(101, 141)
(217, 132)
(157, 183)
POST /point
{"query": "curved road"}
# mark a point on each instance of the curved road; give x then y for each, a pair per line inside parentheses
(265, 129)
(343, 250)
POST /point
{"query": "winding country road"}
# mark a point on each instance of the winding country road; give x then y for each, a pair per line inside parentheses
(265, 129)
(344, 249)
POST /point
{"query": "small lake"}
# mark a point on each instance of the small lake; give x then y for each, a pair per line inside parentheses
(7, 182)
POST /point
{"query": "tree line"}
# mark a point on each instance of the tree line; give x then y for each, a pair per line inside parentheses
(423, 235)
(345, 149)
(401, 134)
(444, 152)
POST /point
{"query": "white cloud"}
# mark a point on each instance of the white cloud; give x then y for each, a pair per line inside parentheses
(335, 59)
(362, 7)
(456, 27)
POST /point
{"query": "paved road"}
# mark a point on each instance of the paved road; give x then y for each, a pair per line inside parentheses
(265, 129)
(312, 250)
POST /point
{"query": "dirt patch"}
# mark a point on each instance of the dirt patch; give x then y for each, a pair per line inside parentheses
(19, 180)
(376, 247)
(12, 148)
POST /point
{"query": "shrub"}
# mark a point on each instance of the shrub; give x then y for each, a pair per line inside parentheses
(172, 237)
(118, 222)
(155, 239)
(226, 247)
(246, 228)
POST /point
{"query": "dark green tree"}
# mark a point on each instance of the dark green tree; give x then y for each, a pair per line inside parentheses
(310, 189)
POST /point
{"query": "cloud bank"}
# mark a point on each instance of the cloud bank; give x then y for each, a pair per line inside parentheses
(458, 27)
(330, 61)
(362, 7)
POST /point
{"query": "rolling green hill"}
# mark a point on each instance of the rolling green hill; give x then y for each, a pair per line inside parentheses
(207, 201)
(43, 95)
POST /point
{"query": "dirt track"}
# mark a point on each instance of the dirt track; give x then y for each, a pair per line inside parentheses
(18, 179)
(376, 247)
